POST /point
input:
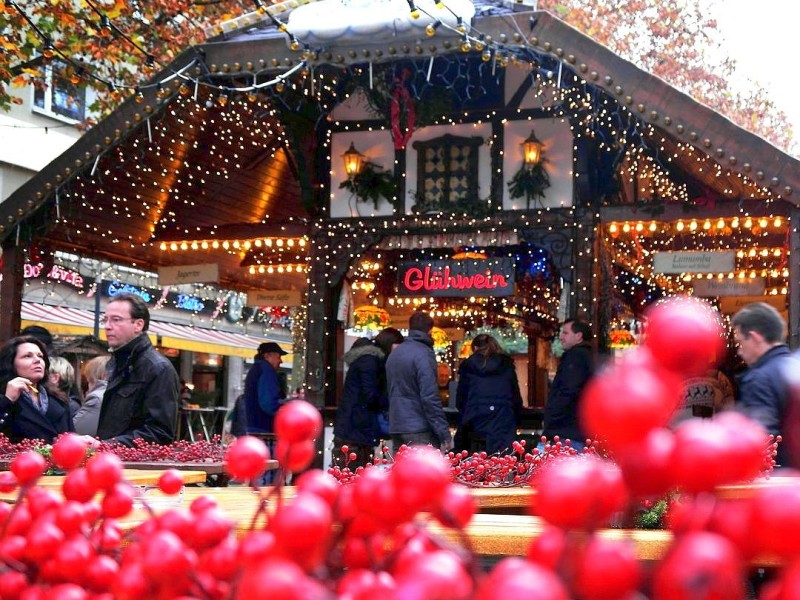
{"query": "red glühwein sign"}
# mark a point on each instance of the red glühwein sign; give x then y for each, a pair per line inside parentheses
(459, 278)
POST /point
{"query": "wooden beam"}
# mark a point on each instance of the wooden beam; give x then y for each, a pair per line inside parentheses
(794, 278)
(11, 289)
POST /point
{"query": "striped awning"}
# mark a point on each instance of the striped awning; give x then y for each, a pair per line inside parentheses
(66, 320)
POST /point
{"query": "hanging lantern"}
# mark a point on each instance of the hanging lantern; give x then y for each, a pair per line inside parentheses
(353, 161)
(532, 149)
(371, 317)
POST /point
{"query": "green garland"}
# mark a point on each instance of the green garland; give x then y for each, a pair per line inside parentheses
(372, 184)
(530, 182)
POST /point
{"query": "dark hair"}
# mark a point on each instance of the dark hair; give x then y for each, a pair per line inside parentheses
(486, 344)
(420, 321)
(40, 333)
(9, 352)
(763, 319)
(362, 342)
(387, 338)
(582, 327)
(138, 307)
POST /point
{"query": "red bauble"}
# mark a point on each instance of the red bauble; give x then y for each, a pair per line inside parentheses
(69, 451)
(685, 335)
(298, 421)
(246, 458)
(623, 403)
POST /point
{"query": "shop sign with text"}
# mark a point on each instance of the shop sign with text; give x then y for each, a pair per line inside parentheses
(176, 275)
(711, 288)
(458, 278)
(274, 298)
(694, 262)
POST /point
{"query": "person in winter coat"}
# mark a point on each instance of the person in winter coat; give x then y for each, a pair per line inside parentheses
(574, 371)
(363, 397)
(29, 408)
(416, 415)
(95, 374)
(760, 333)
(141, 400)
(487, 398)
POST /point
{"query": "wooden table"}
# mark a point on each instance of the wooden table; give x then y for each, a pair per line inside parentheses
(134, 476)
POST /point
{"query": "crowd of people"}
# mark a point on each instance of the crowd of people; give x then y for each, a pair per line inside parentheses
(390, 392)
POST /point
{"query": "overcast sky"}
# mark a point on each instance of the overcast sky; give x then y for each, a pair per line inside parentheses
(764, 38)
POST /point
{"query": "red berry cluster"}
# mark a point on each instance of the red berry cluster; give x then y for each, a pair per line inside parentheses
(479, 469)
(181, 451)
(142, 451)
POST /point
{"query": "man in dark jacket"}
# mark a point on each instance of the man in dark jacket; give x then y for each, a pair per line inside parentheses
(574, 370)
(263, 392)
(141, 400)
(759, 332)
(363, 397)
(415, 410)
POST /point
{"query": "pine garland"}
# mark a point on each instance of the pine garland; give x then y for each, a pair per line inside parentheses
(530, 182)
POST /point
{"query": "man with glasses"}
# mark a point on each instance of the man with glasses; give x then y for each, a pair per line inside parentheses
(760, 333)
(141, 400)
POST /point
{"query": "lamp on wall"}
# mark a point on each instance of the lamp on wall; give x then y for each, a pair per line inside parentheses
(532, 149)
(353, 161)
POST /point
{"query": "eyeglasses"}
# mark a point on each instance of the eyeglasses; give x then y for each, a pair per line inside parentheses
(114, 320)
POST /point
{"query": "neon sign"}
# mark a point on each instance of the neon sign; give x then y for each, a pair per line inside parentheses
(115, 287)
(457, 278)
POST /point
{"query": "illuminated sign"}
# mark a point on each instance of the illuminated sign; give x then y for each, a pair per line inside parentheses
(115, 287)
(67, 276)
(457, 278)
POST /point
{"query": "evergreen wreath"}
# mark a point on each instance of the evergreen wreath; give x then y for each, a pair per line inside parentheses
(371, 184)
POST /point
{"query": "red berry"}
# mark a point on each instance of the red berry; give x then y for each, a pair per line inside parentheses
(8, 482)
(246, 458)
(295, 457)
(170, 482)
(298, 421)
(104, 470)
(118, 501)
(685, 335)
(69, 451)
(28, 467)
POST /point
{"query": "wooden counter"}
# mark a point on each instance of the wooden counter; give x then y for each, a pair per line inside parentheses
(134, 476)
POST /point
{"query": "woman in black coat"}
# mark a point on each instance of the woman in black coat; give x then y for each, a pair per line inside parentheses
(363, 399)
(487, 398)
(28, 408)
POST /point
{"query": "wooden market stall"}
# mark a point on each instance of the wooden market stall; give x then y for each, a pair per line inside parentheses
(332, 164)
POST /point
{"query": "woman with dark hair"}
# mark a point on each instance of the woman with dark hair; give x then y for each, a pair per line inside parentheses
(487, 398)
(364, 399)
(28, 408)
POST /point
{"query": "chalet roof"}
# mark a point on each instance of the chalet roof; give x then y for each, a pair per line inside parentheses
(169, 166)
